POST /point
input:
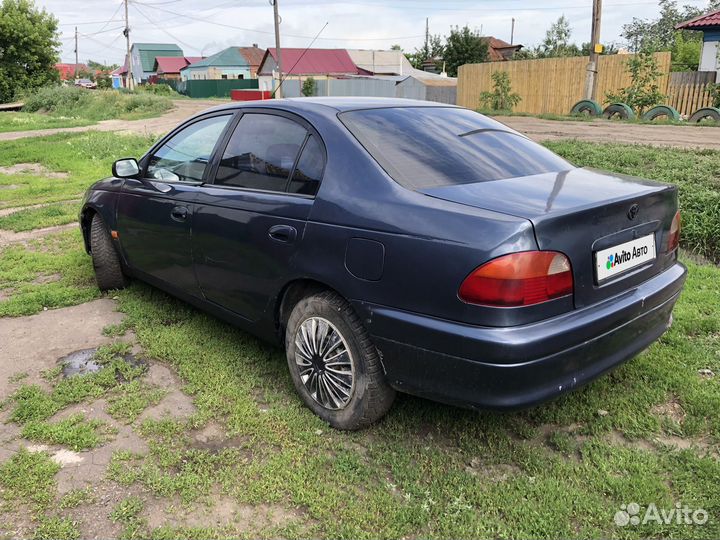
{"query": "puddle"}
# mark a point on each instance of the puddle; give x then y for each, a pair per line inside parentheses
(79, 363)
(83, 362)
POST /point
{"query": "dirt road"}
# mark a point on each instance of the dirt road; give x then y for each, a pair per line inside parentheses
(183, 109)
(602, 131)
(605, 131)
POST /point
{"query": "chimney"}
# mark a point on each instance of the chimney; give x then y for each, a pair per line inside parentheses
(255, 45)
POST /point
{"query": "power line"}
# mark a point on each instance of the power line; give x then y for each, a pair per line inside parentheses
(184, 44)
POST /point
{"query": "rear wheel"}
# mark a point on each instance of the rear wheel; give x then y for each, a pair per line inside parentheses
(335, 367)
(106, 262)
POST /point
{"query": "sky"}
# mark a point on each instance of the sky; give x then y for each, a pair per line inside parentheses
(207, 26)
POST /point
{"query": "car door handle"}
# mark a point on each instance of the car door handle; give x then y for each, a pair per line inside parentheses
(179, 213)
(283, 233)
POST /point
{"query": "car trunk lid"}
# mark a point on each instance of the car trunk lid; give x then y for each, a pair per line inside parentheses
(581, 212)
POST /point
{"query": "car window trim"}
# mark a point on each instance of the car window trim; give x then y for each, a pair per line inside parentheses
(309, 128)
(145, 161)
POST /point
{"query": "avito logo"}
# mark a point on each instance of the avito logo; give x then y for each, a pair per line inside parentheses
(625, 256)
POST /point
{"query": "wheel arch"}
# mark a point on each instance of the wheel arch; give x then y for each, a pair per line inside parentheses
(291, 294)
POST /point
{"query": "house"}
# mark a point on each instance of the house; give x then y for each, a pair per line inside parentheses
(118, 77)
(168, 67)
(230, 63)
(499, 50)
(68, 71)
(380, 62)
(303, 63)
(143, 57)
(709, 25)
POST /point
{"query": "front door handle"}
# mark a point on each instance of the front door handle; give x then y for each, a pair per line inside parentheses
(283, 233)
(179, 213)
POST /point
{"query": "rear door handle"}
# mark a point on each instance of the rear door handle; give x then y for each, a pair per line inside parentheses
(179, 213)
(283, 233)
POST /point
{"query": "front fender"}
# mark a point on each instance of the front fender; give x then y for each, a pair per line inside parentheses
(100, 199)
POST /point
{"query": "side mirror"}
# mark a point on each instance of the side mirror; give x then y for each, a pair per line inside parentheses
(126, 168)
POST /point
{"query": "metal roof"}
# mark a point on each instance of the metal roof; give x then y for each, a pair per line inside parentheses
(314, 61)
(173, 64)
(149, 51)
(703, 22)
(233, 56)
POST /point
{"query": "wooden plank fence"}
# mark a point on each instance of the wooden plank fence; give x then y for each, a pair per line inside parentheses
(551, 85)
(688, 91)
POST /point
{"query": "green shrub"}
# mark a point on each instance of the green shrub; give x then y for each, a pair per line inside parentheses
(502, 97)
(74, 102)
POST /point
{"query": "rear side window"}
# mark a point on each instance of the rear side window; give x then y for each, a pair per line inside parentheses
(438, 146)
(307, 175)
(261, 153)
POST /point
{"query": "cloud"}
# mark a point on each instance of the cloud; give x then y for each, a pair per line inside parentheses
(355, 23)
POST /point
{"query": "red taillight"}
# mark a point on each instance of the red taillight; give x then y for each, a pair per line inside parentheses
(674, 236)
(519, 279)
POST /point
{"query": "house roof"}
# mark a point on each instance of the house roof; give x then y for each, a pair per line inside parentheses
(380, 62)
(149, 51)
(173, 64)
(67, 71)
(233, 56)
(499, 50)
(703, 22)
(313, 61)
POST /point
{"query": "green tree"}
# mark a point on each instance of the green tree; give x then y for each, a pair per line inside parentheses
(395, 47)
(432, 49)
(463, 46)
(685, 53)
(308, 87)
(557, 40)
(644, 90)
(659, 34)
(28, 48)
(502, 97)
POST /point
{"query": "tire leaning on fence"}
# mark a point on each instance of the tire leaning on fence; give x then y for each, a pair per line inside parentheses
(620, 110)
(662, 111)
(587, 106)
(706, 113)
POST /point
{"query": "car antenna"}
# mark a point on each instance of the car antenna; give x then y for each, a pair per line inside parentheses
(282, 79)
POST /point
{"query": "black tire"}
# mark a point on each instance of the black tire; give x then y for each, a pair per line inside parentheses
(106, 262)
(370, 397)
(620, 110)
(706, 113)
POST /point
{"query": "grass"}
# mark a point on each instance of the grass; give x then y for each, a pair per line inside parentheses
(85, 157)
(74, 432)
(92, 106)
(49, 272)
(25, 121)
(38, 218)
(648, 432)
(695, 172)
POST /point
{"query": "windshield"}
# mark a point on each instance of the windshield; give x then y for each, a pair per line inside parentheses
(438, 146)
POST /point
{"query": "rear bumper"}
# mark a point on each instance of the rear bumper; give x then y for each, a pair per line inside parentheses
(515, 367)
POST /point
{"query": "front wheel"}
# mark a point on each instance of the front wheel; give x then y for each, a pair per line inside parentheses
(335, 367)
(106, 262)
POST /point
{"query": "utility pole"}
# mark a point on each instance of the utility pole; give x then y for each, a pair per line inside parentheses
(591, 81)
(276, 16)
(512, 32)
(76, 54)
(427, 35)
(129, 75)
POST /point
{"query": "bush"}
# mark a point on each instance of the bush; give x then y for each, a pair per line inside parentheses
(74, 102)
(644, 90)
(308, 87)
(501, 98)
(160, 89)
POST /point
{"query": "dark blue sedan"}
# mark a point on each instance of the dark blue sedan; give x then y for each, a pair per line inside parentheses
(395, 245)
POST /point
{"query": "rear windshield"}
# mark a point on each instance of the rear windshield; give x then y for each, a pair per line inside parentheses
(440, 146)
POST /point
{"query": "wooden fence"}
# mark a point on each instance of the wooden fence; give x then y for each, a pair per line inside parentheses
(551, 85)
(688, 90)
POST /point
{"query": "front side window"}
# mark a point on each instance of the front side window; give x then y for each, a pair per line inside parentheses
(185, 156)
(261, 153)
(424, 147)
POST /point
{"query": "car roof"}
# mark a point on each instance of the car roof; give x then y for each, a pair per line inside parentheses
(339, 104)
